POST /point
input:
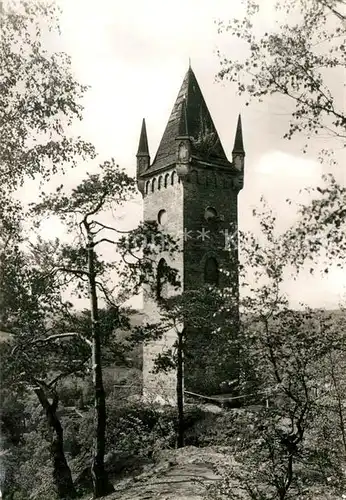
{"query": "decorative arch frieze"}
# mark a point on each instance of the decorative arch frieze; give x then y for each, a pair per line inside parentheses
(153, 184)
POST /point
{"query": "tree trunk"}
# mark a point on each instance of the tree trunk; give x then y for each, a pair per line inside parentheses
(180, 388)
(101, 484)
(339, 400)
(61, 472)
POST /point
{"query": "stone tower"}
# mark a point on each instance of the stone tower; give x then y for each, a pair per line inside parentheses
(191, 190)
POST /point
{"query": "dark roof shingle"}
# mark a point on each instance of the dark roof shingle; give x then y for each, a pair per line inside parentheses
(206, 144)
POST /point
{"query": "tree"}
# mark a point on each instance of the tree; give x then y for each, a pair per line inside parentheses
(39, 100)
(194, 312)
(299, 59)
(288, 454)
(289, 451)
(39, 97)
(319, 234)
(35, 360)
(82, 263)
(318, 238)
(49, 342)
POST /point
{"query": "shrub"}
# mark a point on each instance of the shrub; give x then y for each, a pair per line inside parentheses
(30, 475)
(139, 430)
(230, 428)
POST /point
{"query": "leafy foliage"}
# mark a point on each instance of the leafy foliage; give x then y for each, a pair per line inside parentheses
(297, 59)
(39, 97)
(83, 211)
(291, 355)
(319, 232)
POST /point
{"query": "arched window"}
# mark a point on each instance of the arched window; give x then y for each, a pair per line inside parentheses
(159, 185)
(153, 185)
(211, 272)
(147, 187)
(161, 283)
(166, 180)
(173, 178)
(210, 214)
(162, 217)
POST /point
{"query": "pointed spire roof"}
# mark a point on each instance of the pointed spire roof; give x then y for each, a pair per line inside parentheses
(143, 148)
(191, 115)
(238, 141)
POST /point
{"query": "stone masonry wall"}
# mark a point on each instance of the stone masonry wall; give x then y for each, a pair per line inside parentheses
(208, 190)
(217, 239)
(162, 386)
(185, 203)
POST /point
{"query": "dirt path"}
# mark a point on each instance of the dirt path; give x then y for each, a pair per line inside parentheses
(179, 475)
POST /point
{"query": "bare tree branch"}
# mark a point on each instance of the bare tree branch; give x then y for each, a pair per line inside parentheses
(60, 336)
(98, 206)
(106, 240)
(107, 294)
(110, 228)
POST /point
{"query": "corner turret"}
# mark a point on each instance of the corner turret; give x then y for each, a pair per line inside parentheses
(238, 148)
(143, 157)
(238, 154)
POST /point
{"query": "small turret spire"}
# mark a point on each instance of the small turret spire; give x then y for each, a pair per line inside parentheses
(238, 142)
(143, 157)
(143, 148)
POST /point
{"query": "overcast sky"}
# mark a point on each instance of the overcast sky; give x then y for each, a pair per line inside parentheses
(134, 55)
